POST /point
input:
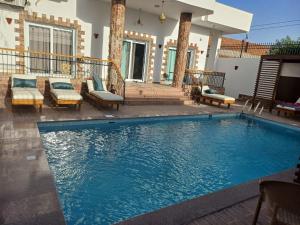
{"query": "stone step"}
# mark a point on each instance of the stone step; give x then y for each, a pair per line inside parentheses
(159, 102)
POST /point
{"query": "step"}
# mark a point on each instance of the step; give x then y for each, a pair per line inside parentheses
(151, 101)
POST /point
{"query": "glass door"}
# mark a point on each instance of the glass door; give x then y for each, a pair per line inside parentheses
(171, 63)
(172, 59)
(133, 65)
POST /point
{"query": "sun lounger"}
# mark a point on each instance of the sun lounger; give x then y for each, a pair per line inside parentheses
(100, 94)
(211, 96)
(288, 108)
(25, 92)
(62, 92)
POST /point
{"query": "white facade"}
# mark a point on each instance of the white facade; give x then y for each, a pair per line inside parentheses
(241, 75)
(94, 18)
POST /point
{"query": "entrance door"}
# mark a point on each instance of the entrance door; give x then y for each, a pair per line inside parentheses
(133, 60)
(172, 59)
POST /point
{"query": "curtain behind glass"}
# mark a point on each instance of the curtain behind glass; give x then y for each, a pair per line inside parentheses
(39, 41)
(125, 59)
(62, 45)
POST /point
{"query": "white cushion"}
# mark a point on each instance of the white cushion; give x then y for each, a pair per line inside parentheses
(62, 94)
(298, 101)
(285, 107)
(219, 97)
(26, 94)
(90, 86)
(22, 76)
(106, 95)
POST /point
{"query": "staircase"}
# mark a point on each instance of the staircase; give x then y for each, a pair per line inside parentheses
(154, 94)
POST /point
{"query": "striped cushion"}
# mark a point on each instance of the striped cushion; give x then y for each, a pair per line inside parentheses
(61, 94)
(26, 94)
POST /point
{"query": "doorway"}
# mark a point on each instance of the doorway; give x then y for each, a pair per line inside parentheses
(133, 65)
(172, 59)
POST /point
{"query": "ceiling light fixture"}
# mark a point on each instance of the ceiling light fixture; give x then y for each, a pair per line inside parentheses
(162, 16)
(139, 21)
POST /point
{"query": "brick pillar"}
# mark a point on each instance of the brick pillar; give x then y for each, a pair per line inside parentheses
(182, 48)
(117, 22)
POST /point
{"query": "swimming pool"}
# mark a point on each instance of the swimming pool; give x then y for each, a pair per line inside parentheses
(108, 171)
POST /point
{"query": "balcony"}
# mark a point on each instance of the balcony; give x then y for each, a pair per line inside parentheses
(16, 3)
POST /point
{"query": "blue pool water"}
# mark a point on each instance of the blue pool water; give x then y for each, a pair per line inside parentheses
(108, 172)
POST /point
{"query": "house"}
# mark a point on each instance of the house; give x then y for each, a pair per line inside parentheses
(141, 36)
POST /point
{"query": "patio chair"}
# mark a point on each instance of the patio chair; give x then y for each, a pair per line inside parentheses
(62, 92)
(212, 96)
(283, 201)
(98, 93)
(288, 108)
(25, 92)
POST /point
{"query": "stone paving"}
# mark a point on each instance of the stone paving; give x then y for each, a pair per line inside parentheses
(27, 190)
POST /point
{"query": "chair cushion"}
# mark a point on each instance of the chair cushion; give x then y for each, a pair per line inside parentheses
(106, 95)
(211, 91)
(62, 85)
(26, 94)
(63, 94)
(219, 97)
(90, 85)
(24, 83)
(204, 88)
(98, 84)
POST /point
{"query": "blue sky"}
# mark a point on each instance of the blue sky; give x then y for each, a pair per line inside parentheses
(270, 11)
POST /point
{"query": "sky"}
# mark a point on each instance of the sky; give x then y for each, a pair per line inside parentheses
(269, 11)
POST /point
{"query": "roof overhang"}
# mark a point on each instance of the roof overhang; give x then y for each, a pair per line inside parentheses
(206, 13)
(173, 8)
(226, 19)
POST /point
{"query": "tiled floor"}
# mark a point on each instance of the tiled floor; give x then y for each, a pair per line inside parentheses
(27, 191)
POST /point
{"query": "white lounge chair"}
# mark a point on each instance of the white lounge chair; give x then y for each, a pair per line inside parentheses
(220, 99)
(104, 96)
(62, 92)
(25, 92)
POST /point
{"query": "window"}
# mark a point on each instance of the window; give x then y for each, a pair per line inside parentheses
(48, 39)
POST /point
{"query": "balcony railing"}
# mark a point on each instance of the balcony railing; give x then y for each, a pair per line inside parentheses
(18, 3)
(210, 78)
(42, 64)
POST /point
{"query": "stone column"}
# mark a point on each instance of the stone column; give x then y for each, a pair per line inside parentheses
(214, 47)
(182, 48)
(117, 23)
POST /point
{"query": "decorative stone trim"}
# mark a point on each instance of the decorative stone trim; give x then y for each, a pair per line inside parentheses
(47, 20)
(173, 44)
(151, 42)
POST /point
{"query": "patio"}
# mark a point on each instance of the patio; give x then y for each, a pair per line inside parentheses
(28, 193)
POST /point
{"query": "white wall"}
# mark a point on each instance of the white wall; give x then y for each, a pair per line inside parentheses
(290, 70)
(242, 80)
(94, 17)
(7, 31)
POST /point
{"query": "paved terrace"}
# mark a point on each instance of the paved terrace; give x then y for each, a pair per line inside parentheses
(27, 190)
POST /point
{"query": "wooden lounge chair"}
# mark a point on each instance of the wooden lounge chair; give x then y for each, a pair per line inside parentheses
(25, 92)
(205, 95)
(288, 108)
(283, 201)
(62, 92)
(102, 95)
